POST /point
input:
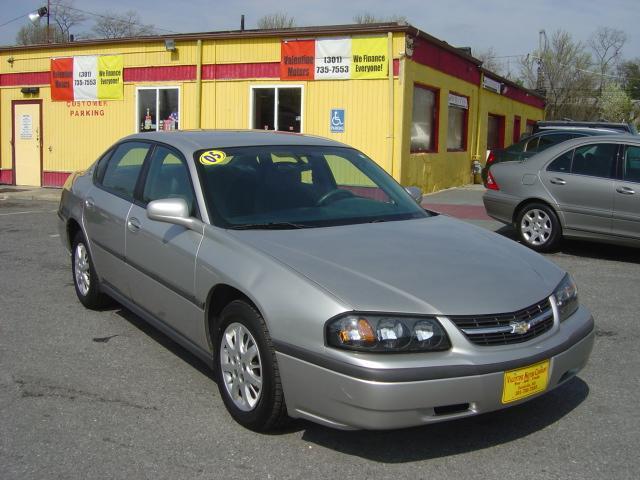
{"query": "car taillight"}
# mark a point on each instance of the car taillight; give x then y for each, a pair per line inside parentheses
(491, 158)
(491, 183)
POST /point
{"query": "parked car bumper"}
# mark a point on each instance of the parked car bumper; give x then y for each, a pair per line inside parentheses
(500, 206)
(344, 401)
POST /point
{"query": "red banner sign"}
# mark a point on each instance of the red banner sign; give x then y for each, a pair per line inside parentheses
(297, 60)
(62, 79)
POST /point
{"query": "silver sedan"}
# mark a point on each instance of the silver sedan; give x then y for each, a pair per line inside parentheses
(588, 188)
(314, 285)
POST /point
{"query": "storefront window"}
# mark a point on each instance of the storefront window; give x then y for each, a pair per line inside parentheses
(277, 108)
(457, 126)
(158, 109)
(424, 124)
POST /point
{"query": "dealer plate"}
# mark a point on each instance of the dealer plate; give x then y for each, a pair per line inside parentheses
(525, 381)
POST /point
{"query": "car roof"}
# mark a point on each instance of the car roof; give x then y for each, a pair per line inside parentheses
(562, 147)
(192, 140)
(586, 131)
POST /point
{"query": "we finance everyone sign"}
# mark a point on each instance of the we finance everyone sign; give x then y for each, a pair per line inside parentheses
(88, 77)
(334, 58)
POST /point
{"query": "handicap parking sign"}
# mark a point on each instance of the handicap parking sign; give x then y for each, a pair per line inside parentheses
(336, 120)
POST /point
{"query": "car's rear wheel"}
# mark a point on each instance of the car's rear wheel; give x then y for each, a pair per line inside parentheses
(248, 375)
(538, 227)
(85, 279)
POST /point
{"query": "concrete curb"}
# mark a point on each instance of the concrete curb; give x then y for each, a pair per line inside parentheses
(8, 192)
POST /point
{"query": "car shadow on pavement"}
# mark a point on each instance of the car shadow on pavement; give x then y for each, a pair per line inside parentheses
(579, 248)
(454, 437)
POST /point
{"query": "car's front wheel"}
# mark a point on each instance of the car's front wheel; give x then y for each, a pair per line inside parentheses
(84, 274)
(538, 227)
(248, 376)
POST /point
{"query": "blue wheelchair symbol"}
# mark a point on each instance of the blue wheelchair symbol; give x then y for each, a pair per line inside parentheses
(336, 124)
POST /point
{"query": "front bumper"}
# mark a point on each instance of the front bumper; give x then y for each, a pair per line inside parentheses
(343, 401)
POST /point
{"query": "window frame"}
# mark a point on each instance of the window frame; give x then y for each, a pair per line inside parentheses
(131, 199)
(616, 171)
(277, 87)
(436, 117)
(156, 88)
(465, 123)
(622, 158)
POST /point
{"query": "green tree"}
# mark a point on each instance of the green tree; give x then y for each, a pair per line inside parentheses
(630, 73)
(616, 105)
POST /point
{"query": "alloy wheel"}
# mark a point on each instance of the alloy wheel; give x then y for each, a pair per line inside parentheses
(536, 227)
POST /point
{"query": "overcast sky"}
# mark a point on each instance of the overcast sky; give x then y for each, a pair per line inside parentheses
(510, 27)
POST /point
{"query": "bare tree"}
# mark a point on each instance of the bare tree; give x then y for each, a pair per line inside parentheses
(276, 21)
(367, 17)
(568, 80)
(121, 25)
(489, 60)
(66, 16)
(606, 44)
(31, 34)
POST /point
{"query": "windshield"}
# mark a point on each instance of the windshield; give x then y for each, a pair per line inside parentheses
(299, 187)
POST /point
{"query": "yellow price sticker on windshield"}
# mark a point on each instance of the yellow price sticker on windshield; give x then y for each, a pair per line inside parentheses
(212, 157)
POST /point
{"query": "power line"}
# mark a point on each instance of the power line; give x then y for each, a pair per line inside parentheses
(17, 18)
(108, 17)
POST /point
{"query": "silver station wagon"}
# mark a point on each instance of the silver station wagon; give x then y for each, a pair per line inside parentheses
(314, 285)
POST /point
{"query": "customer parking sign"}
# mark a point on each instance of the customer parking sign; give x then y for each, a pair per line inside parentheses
(336, 120)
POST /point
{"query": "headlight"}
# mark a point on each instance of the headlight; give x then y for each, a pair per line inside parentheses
(566, 294)
(371, 333)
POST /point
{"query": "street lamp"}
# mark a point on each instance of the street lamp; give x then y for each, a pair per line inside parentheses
(41, 12)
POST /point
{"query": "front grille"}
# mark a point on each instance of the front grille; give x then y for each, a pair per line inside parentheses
(498, 329)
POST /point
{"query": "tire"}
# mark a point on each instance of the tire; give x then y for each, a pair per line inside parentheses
(249, 384)
(538, 227)
(85, 279)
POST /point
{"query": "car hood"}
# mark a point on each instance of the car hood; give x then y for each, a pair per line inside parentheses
(435, 265)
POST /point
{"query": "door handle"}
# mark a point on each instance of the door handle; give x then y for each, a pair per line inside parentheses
(625, 190)
(133, 224)
(558, 181)
(89, 203)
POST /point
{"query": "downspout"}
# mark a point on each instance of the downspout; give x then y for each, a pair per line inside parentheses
(199, 84)
(391, 102)
(478, 117)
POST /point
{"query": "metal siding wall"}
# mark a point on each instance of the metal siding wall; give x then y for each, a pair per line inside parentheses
(8, 94)
(248, 50)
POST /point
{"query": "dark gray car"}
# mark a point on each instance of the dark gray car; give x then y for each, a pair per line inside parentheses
(587, 188)
(314, 285)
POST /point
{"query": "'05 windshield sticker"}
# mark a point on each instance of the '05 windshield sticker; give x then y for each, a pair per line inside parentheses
(212, 157)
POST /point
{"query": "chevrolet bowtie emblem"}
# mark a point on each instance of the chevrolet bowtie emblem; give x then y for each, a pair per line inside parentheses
(520, 328)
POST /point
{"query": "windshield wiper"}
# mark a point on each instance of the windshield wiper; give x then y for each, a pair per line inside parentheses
(268, 226)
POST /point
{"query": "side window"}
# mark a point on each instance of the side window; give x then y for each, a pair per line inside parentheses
(631, 169)
(102, 166)
(532, 145)
(168, 177)
(123, 168)
(561, 164)
(597, 160)
(548, 140)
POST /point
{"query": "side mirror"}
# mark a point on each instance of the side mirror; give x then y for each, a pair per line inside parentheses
(416, 194)
(175, 211)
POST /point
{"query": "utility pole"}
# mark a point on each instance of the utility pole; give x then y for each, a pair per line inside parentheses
(48, 20)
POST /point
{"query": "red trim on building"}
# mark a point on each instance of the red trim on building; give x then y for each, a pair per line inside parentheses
(501, 127)
(160, 74)
(54, 179)
(521, 96)
(6, 176)
(516, 128)
(24, 79)
(396, 67)
(431, 55)
(235, 71)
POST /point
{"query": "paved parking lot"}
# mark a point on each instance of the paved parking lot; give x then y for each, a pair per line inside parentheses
(102, 395)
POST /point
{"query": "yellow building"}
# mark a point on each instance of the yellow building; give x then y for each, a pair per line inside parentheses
(421, 108)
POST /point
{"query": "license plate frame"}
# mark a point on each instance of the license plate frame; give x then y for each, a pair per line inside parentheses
(524, 382)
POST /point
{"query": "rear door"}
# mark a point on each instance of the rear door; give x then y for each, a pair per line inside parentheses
(582, 183)
(626, 206)
(161, 255)
(106, 208)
